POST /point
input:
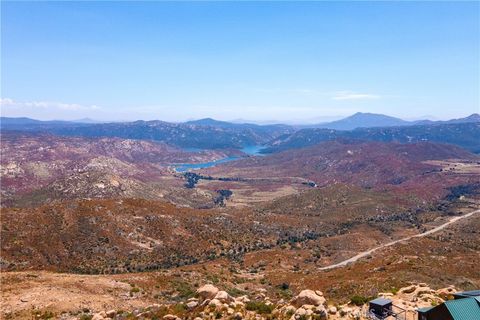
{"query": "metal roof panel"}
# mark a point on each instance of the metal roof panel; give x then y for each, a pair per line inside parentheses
(464, 309)
(381, 301)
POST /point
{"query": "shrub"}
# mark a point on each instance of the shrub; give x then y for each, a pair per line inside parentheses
(179, 308)
(284, 286)
(234, 292)
(259, 307)
(360, 300)
(290, 313)
(184, 289)
(134, 290)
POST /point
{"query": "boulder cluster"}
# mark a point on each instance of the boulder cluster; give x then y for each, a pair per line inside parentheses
(212, 303)
(419, 295)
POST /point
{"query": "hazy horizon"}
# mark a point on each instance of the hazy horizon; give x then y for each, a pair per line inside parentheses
(312, 121)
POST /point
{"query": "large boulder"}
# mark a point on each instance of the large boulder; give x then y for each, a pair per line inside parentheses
(215, 303)
(307, 297)
(243, 299)
(446, 293)
(408, 290)
(300, 312)
(321, 312)
(223, 296)
(207, 291)
(423, 290)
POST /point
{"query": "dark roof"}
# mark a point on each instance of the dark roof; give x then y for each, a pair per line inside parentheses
(464, 309)
(472, 293)
(381, 301)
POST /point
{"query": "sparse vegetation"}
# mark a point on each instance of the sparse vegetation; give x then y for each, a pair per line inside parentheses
(360, 300)
(259, 306)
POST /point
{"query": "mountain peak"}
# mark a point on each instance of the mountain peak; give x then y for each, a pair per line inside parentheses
(474, 116)
(207, 122)
(362, 120)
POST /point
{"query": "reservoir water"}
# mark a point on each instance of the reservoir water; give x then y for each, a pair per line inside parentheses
(183, 167)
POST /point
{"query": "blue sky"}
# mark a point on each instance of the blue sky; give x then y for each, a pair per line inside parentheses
(302, 61)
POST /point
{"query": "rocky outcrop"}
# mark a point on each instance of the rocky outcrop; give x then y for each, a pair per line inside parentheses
(308, 297)
(213, 303)
(207, 291)
(223, 297)
(419, 295)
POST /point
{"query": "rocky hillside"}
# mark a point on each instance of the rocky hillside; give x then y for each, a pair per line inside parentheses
(39, 168)
(209, 302)
(268, 256)
(107, 236)
(127, 235)
(206, 301)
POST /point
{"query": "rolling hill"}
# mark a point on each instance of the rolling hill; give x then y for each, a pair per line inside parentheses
(405, 168)
(208, 134)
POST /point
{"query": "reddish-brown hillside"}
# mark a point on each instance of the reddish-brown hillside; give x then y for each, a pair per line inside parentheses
(400, 167)
(128, 235)
(36, 169)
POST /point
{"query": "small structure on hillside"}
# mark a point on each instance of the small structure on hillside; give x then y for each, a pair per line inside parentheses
(381, 308)
(465, 306)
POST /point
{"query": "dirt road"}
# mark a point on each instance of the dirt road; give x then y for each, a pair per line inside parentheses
(368, 252)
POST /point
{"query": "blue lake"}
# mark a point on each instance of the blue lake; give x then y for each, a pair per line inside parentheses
(183, 167)
(253, 150)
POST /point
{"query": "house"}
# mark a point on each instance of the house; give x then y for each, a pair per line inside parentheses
(465, 306)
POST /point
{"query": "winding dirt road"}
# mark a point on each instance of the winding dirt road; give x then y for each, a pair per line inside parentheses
(368, 252)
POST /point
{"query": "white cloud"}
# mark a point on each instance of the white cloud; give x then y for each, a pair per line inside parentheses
(10, 103)
(349, 95)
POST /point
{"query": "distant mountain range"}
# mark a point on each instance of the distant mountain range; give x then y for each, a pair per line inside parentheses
(465, 135)
(24, 121)
(372, 120)
(357, 120)
(209, 122)
(203, 134)
(213, 134)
